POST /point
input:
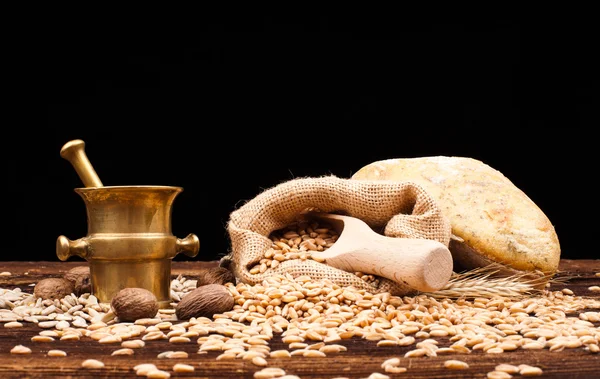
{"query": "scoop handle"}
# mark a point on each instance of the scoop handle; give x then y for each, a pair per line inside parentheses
(424, 265)
(74, 152)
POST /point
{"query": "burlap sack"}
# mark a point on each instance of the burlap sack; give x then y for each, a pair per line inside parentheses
(399, 209)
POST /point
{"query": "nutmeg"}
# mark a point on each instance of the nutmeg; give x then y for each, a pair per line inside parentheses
(53, 288)
(130, 304)
(215, 275)
(80, 277)
(205, 301)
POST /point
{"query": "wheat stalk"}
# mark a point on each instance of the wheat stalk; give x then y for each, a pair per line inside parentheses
(486, 282)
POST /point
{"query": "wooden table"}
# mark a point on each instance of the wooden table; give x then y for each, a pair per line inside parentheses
(360, 360)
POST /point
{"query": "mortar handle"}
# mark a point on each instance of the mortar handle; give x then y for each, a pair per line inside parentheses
(65, 248)
(74, 152)
(189, 245)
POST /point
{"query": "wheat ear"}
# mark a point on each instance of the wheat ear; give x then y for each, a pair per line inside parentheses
(486, 282)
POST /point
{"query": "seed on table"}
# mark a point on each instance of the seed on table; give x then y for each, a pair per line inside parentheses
(377, 375)
(13, 324)
(154, 336)
(110, 339)
(527, 370)
(62, 325)
(507, 346)
(330, 349)
(180, 367)
(594, 288)
(390, 362)
(5, 273)
(394, 369)
(415, 353)
(511, 369)
(147, 321)
(158, 374)
(144, 368)
(558, 347)
(593, 348)
(20, 349)
(598, 274)
(177, 355)
(56, 353)
(298, 345)
(280, 354)
(406, 341)
(47, 324)
(315, 346)
(498, 375)
(96, 326)
(269, 373)
(456, 364)
(314, 354)
(133, 344)
(259, 361)
(125, 351)
(70, 337)
(42, 339)
(178, 339)
(92, 363)
(249, 355)
(533, 346)
(226, 356)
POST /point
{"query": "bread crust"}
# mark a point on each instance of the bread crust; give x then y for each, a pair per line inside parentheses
(487, 212)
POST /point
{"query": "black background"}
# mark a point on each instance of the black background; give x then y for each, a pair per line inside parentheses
(226, 108)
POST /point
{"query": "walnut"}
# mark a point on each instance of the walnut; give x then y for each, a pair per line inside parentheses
(53, 288)
(215, 275)
(80, 277)
(130, 304)
(205, 301)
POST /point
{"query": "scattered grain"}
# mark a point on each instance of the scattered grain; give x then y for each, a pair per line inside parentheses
(56, 353)
(526, 370)
(377, 375)
(42, 339)
(125, 351)
(20, 349)
(395, 369)
(280, 354)
(133, 344)
(498, 375)
(180, 367)
(259, 361)
(269, 373)
(508, 368)
(92, 363)
(454, 364)
(158, 374)
(144, 368)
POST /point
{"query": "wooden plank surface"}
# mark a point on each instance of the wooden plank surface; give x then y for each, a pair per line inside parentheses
(360, 360)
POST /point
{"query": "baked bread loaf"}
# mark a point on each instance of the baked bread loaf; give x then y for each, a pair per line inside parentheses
(492, 220)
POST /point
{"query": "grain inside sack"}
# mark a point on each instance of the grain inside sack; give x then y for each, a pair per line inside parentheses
(396, 209)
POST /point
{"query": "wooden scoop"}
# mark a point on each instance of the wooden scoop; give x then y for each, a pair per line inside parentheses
(422, 264)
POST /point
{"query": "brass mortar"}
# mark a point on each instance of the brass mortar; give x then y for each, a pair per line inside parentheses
(129, 241)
